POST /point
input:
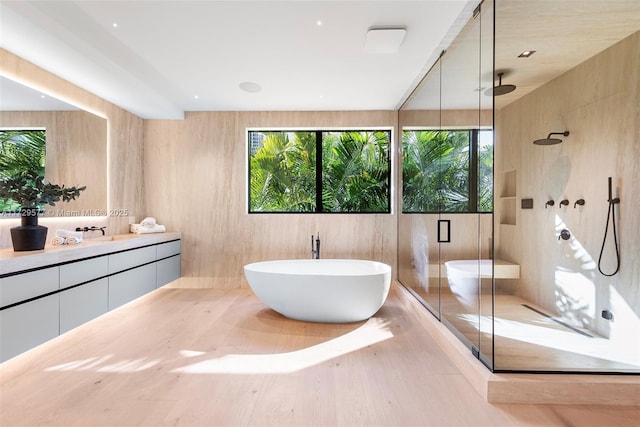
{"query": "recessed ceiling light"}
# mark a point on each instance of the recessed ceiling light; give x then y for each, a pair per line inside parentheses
(526, 53)
(250, 87)
(384, 39)
(196, 97)
(319, 23)
(114, 25)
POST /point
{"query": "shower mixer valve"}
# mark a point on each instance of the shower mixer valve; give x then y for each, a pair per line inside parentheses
(564, 234)
(549, 203)
(565, 202)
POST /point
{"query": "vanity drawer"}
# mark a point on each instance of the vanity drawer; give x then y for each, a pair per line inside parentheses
(131, 284)
(168, 270)
(23, 286)
(129, 259)
(27, 325)
(168, 249)
(83, 303)
(83, 271)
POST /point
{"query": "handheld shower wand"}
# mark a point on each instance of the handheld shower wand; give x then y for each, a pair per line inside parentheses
(611, 215)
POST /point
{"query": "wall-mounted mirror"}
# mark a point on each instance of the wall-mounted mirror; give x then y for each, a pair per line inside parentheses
(73, 150)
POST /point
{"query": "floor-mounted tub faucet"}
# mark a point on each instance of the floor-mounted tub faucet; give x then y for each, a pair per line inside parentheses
(315, 247)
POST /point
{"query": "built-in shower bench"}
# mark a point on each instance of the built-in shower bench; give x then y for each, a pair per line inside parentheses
(501, 269)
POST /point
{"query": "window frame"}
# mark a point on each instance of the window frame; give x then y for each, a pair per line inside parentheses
(318, 186)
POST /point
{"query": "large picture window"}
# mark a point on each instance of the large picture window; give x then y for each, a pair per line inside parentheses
(337, 171)
(447, 171)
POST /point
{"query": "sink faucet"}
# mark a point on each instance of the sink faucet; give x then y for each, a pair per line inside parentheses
(92, 228)
(315, 250)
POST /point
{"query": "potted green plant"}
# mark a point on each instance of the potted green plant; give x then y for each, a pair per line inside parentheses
(29, 191)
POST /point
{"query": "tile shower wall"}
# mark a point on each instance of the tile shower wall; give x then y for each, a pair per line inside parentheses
(597, 102)
(196, 181)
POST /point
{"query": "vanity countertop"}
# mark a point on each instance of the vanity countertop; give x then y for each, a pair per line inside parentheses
(11, 262)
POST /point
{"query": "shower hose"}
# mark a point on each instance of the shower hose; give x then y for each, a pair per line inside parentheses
(611, 216)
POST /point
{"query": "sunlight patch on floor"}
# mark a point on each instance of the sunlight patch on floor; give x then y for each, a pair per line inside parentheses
(372, 332)
(556, 339)
(105, 364)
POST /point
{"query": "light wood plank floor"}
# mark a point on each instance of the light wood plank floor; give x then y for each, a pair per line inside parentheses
(186, 357)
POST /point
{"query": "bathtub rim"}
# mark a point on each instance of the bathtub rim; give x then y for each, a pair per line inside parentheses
(376, 267)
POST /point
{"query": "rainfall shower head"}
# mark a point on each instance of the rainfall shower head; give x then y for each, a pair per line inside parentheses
(500, 89)
(551, 141)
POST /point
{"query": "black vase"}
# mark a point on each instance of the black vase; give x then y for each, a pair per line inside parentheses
(29, 236)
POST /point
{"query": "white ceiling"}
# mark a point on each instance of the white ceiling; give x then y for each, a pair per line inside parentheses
(163, 54)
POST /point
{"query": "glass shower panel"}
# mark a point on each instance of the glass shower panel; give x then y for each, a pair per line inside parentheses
(559, 312)
(461, 125)
(418, 258)
(486, 183)
(418, 264)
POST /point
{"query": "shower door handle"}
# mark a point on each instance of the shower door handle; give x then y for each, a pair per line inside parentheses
(444, 231)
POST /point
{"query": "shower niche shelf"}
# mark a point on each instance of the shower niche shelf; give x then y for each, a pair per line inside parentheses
(508, 198)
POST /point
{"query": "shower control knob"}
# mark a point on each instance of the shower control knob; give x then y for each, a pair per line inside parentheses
(565, 202)
(564, 234)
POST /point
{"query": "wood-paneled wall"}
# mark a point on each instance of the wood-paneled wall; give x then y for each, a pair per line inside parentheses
(125, 181)
(598, 102)
(196, 183)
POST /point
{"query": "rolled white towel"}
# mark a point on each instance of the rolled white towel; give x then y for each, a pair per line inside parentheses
(148, 222)
(72, 240)
(57, 241)
(140, 229)
(67, 233)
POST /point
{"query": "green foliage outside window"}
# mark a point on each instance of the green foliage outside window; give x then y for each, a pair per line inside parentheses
(352, 175)
(282, 172)
(21, 151)
(437, 172)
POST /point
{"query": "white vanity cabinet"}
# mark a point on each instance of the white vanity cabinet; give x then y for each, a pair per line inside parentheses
(40, 303)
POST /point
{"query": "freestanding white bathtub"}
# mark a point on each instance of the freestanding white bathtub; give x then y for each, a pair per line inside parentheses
(321, 290)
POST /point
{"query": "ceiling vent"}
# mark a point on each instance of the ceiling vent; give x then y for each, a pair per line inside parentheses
(384, 39)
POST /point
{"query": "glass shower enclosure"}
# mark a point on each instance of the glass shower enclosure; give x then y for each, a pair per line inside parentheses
(511, 244)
